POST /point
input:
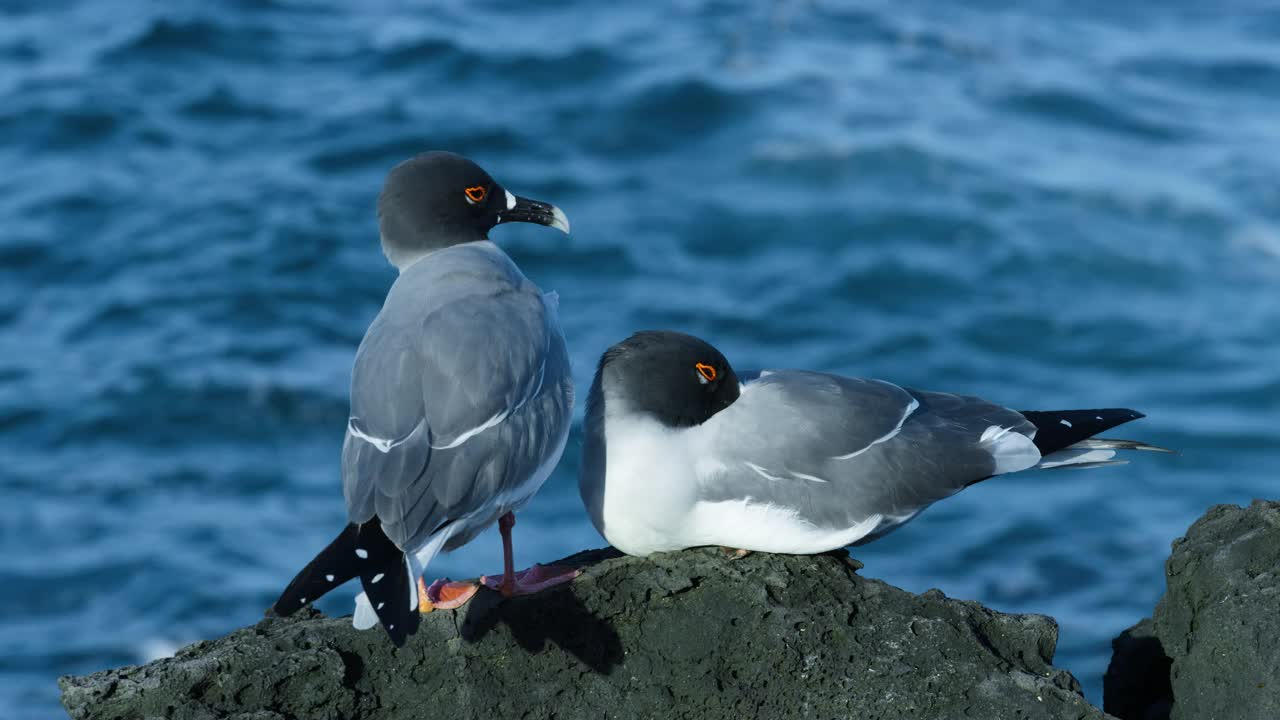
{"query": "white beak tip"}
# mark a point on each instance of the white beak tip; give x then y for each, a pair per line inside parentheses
(560, 221)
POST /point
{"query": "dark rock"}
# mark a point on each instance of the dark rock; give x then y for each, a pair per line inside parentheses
(1218, 622)
(692, 634)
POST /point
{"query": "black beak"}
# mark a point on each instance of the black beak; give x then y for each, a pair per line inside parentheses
(532, 211)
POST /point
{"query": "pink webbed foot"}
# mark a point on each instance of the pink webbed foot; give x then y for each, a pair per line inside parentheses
(445, 594)
(535, 579)
(525, 582)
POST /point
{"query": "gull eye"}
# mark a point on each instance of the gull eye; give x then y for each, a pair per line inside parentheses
(475, 194)
(706, 373)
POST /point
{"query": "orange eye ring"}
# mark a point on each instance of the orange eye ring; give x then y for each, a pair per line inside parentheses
(707, 372)
(476, 194)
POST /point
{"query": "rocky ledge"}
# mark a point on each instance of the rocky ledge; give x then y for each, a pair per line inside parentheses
(695, 634)
(1212, 649)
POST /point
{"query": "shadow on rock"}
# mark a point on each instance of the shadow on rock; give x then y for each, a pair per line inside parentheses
(555, 615)
(1137, 686)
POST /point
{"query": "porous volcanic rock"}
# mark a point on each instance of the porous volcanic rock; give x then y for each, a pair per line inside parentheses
(1216, 631)
(694, 634)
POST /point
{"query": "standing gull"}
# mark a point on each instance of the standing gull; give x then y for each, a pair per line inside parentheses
(461, 398)
(680, 451)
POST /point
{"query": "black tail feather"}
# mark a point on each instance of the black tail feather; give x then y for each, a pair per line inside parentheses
(1057, 429)
(385, 579)
(332, 567)
(362, 550)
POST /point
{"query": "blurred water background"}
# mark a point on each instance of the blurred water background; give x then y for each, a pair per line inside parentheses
(1050, 204)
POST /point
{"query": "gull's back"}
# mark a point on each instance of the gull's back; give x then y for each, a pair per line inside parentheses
(461, 398)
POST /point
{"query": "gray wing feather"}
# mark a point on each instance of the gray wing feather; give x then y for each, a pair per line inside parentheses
(838, 450)
(460, 391)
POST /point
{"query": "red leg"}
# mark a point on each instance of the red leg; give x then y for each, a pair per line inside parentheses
(525, 582)
(444, 594)
(505, 523)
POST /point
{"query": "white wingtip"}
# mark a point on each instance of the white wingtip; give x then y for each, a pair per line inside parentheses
(1011, 450)
(1075, 456)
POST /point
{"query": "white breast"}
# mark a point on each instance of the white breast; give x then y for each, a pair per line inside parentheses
(652, 499)
(649, 485)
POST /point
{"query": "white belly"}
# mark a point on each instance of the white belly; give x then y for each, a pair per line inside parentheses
(763, 527)
(651, 500)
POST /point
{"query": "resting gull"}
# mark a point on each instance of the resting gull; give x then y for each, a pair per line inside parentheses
(681, 451)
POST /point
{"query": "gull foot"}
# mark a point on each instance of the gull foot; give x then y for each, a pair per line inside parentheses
(735, 553)
(535, 579)
(444, 594)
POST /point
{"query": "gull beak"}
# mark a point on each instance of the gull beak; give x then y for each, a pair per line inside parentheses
(521, 209)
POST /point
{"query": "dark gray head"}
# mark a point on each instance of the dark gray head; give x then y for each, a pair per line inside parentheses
(678, 379)
(439, 199)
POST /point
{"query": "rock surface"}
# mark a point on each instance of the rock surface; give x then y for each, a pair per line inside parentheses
(1217, 626)
(686, 635)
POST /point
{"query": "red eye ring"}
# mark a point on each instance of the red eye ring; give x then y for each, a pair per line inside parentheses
(476, 194)
(707, 372)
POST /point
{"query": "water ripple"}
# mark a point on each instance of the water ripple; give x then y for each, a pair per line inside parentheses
(170, 40)
(1255, 77)
(1059, 106)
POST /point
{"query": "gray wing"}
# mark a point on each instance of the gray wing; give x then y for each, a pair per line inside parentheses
(460, 391)
(839, 450)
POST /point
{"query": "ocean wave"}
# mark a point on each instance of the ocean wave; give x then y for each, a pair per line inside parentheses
(221, 102)
(362, 152)
(165, 39)
(1069, 106)
(677, 112)
(1253, 76)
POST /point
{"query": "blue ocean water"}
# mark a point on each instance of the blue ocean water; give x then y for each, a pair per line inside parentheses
(1050, 204)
